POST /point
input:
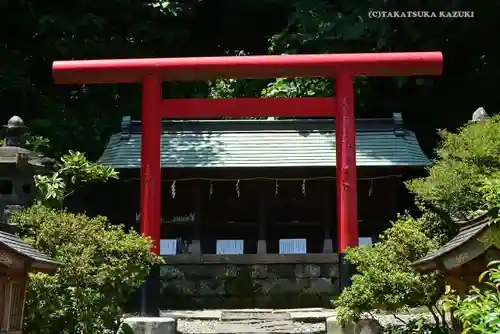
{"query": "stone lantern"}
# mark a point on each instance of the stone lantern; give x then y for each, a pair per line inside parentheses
(17, 190)
(18, 166)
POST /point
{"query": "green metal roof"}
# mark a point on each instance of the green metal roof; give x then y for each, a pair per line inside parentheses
(265, 143)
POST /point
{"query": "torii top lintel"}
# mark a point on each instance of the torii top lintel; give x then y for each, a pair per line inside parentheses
(275, 66)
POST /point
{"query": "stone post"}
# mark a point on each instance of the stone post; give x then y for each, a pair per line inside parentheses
(144, 325)
(261, 247)
(196, 248)
(328, 246)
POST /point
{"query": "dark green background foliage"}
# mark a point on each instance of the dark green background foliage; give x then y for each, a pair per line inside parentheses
(35, 33)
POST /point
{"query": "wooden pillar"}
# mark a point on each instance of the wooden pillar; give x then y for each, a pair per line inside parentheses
(393, 185)
(261, 242)
(151, 185)
(347, 211)
(196, 239)
(327, 217)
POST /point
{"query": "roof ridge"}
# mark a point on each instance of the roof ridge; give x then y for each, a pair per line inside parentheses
(395, 124)
(483, 218)
(268, 120)
(15, 244)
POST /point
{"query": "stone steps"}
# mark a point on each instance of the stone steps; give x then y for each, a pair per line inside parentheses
(316, 314)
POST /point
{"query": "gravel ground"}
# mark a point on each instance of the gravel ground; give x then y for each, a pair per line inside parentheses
(388, 319)
(209, 326)
(196, 326)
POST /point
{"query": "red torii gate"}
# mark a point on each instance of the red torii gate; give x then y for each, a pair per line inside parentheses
(341, 67)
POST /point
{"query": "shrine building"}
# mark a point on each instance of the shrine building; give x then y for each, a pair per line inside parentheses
(249, 206)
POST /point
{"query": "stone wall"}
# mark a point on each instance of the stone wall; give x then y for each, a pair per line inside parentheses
(223, 285)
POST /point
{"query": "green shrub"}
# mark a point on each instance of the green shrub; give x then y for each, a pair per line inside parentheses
(463, 161)
(102, 266)
(479, 312)
(417, 326)
(385, 279)
(72, 171)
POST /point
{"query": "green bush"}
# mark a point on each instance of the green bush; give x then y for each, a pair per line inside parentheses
(102, 266)
(385, 280)
(464, 177)
(72, 171)
(479, 312)
(418, 326)
(463, 161)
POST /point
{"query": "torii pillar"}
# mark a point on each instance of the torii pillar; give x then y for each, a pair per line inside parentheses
(152, 72)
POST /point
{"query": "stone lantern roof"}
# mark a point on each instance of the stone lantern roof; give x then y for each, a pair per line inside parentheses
(13, 151)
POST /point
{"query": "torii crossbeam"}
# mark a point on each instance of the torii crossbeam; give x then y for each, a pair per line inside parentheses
(152, 72)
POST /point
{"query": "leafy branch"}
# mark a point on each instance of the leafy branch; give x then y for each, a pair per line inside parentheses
(72, 171)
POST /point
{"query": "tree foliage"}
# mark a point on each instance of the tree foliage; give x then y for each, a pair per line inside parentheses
(72, 171)
(463, 179)
(479, 311)
(466, 161)
(101, 263)
(102, 266)
(385, 279)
